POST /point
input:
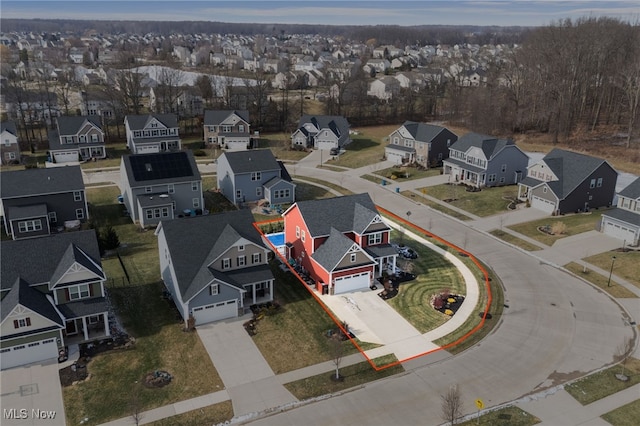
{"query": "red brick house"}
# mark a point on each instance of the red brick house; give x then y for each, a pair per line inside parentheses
(342, 243)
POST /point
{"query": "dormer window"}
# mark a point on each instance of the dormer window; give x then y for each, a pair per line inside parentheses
(22, 322)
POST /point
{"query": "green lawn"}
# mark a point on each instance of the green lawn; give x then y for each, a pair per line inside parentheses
(575, 224)
(305, 191)
(508, 416)
(209, 415)
(505, 236)
(353, 375)
(604, 383)
(615, 290)
(436, 206)
(625, 265)
(627, 415)
(280, 145)
(404, 174)
(487, 202)
(367, 147)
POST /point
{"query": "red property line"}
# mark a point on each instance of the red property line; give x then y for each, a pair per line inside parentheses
(339, 324)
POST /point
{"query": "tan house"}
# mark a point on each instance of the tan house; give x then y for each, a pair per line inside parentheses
(228, 129)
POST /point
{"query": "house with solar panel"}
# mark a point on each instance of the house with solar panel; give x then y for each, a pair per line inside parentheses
(254, 175)
(152, 133)
(423, 144)
(37, 202)
(77, 139)
(161, 186)
(227, 129)
(324, 132)
(53, 295)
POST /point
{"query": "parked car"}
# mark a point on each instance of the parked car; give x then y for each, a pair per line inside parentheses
(334, 151)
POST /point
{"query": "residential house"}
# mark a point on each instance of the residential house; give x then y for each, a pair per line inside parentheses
(420, 143)
(53, 295)
(566, 182)
(376, 66)
(341, 243)
(482, 160)
(216, 266)
(623, 222)
(37, 202)
(77, 139)
(253, 175)
(160, 186)
(323, 132)
(9, 146)
(97, 102)
(229, 129)
(152, 133)
(384, 88)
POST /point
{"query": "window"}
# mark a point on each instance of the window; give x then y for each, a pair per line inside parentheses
(77, 196)
(94, 319)
(241, 128)
(242, 260)
(196, 203)
(149, 213)
(303, 236)
(226, 128)
(171, 188)
(297, 232)
(256, 176)
(94, 137)
(22, 322)
(165, 212)
(241, 247)
(592, 184)
(544, 189)
(256, 258)
(259, 191)
(7, 142)
(396, 140)
(599, 184)
(448, 143)
(194, 186)
(12, 155)
(502, 179)
(238, 193)
(214, 289)
(492, 177)
(79, 292)
(503, 168)
(353, 257)
(374, 239)
(30, 225)
(79, 214)
(148, 189)
(226, 263)
(53, 218)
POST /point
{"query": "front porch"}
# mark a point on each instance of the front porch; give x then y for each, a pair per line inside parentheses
(257, 293)
(92, 152)
(86, 328)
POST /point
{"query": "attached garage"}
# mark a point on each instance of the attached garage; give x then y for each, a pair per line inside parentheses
(65, 156)
(351, 283)
(216, 311)
(28, 353)
(147, 149)
(542, 204)
(620, 231)
(327, 145)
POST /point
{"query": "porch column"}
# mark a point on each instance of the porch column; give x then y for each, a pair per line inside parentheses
(85, 331)
(253, 291)
(271, 289)
(107, 330)
(394, 263)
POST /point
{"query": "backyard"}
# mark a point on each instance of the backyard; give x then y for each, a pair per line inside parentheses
(574, 224)
(367, 147)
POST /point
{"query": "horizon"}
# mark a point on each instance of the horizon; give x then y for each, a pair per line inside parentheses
(503, 13)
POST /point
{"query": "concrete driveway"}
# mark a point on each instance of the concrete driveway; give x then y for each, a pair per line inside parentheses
(32, 395)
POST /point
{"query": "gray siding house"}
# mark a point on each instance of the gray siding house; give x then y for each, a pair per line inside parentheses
(420, 143)
(77, 139)
(253, 175)
(161, 186)
(152, 133)
(482, 160)
(215, 266)
(53, 294)
(623, 222)
(568, 182)
(321, 132)
(229, 129)
(37, 202)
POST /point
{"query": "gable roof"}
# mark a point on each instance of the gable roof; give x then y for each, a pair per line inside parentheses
(422, 132)
(139, 122)
(632, 190)
(336, 123)
(571, 169)
(22, 294)
(252, 160)
(71, 125)
(73, 254)
(17, 257)
(195, 242)
(490, 145)
(349, 213)
(333, 250)
(22, 183)
(177, 166)
(9, 126)
(212, 117)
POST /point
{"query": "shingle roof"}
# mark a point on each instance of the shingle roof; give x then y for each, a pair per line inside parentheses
(22, 294)
(26, 212)
(17, 257)
(195, 242)
(331, 252)
(336, 123)
(490, 145)
(632, 190)
(139, 122)
(81, 308)
(252, 160)
(158, 168)
(347, 213)
(21, 183)
(623, 216)
(571, 169)
(9, 126)
(73, 254)
(72, 125)
(215, 117)
(423, 132)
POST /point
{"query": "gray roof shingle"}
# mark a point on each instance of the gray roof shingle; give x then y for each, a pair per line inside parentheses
(571, 169)
(215, 117)
(9, 126)
(490, 145)
(253, 160)
(333, 250)
(29, 182)
(71, 125)
(421, 131)
(336, 123)
(632, 190)
(139, 122)
(22, 294)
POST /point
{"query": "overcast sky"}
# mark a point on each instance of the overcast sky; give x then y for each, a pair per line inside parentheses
(369, 12)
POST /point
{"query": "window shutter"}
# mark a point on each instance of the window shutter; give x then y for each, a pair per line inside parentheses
(15, 324)
(66, 293)
(28, 321)
(90, 290)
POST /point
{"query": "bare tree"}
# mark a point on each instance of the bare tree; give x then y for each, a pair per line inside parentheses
(451, 405)
(168, 90)
(135, 405)
(337, 352)
(622, 353)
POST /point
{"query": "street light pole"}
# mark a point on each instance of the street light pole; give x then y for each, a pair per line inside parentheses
(613, 259)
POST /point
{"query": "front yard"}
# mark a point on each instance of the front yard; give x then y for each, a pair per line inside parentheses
(604, 383)
(483, 203)
(625, 264)
(367, 148)
(574, 224)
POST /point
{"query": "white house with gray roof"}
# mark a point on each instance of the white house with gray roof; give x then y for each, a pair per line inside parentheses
(76, 139)
(9, 146)
(254, 175)
(420, 143)
(321, 132)
(215, 266)
(481, 160)
(623, 222)
(152, 133)
(228, 129)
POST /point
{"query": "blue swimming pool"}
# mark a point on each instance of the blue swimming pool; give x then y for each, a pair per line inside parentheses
(276, 239)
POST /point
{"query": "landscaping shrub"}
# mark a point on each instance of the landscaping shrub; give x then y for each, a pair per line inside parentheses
(558, 228)
(199, 153)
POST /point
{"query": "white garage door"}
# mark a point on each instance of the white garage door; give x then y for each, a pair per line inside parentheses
(65, 157)
(147, 149)
(351, 283)
(29, 353)
(216, 312)
(394, 156)
(619, 231)
(542, 204)
(326, 145)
